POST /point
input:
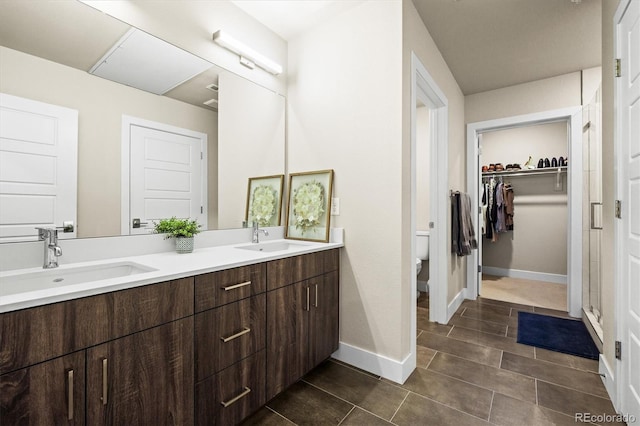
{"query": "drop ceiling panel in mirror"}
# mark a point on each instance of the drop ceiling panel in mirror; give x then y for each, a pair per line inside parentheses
(66, 32)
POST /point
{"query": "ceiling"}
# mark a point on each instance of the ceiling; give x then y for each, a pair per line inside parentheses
(488, 44)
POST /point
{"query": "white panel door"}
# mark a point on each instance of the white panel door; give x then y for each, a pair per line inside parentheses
(38, 167)
(629, 132)
(166, 177)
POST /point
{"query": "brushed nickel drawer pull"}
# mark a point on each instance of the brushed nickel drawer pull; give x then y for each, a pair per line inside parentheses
(235, 399)
(235, 336)
(316, 302)
(70, 395)
(105, 370)
(308, 305)
(234, 286)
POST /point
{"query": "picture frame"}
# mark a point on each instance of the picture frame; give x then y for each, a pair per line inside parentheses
(264, 200)
(309, 206)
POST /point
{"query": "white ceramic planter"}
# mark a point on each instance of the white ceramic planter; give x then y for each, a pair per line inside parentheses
(184, 244)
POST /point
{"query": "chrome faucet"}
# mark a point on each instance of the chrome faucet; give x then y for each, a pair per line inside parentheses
(257, 231)
(51, 248)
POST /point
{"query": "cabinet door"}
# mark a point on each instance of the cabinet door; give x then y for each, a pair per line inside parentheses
(144, 378)
(324, 326)
(51, 393)
(287, 337)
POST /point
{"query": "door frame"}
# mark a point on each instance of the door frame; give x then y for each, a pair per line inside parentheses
(621, 288)
(573, 116)
(127, 122)
(425, 88)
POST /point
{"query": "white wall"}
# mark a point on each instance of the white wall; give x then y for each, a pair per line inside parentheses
(101, 104)
(538, 242)
(423, 168)
(416, 38)
(251, 142)
(536, 96)
(339, 118)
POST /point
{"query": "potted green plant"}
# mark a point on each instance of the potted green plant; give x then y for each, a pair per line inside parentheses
(182, 230)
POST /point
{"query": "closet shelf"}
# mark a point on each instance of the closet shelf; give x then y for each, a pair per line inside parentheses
(518, 173)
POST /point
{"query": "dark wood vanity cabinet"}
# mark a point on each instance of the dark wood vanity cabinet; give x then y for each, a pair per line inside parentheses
(51, 392)
(144, 378)
(302, 317)
(59, 361)
(206, 350)
(230, 340)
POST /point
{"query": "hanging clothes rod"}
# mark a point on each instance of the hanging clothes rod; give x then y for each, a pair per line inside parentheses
(533, 172)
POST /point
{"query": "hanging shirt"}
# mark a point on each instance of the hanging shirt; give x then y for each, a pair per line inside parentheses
(508, 202)
(500, 225)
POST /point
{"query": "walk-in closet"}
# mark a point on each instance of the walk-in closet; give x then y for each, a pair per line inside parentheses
(524, 200)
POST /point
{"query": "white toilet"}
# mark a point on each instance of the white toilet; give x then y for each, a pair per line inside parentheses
(422, 251)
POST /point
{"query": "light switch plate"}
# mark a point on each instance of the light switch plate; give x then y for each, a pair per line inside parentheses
(335, 206)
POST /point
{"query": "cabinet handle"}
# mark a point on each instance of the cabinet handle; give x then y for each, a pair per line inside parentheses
(70, 395)
(308, 306)
(234, 286)
(316, 302)
(235, 336)
(233, 400)
(105, 371)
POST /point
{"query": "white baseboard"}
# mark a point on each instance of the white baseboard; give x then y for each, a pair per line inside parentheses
(391, 369)
(527, 275)
(606, 374)
(455, 303)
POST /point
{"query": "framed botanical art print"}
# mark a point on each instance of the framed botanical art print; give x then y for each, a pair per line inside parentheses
(309, 206)
(264, 200)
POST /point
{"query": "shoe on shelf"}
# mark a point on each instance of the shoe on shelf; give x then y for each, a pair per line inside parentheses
(485, 169)
(540, 163)
(499, 167)
(515, 166)
(529, 164)
(561, 162)
(554, 162)
(492, 167)
(547, 163)
(509, 167)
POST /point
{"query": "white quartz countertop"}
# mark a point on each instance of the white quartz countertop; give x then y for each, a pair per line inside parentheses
(161, 267)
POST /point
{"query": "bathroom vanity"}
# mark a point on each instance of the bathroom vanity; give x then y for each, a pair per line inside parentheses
(207, 348)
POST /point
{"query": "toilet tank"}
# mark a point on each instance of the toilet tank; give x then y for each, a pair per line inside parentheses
(422, 244)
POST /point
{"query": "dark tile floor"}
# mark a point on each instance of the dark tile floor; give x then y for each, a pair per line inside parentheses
(470, 372)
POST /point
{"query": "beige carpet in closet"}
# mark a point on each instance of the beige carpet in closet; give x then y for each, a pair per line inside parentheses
(525, 292)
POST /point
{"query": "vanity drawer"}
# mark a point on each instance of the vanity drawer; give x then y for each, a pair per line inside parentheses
(37, 334)
(233, 394)
(222, 287)
(283, 272)
(228, 334)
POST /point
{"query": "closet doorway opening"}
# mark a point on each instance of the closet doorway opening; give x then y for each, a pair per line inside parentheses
(545, 244)
(523, 221)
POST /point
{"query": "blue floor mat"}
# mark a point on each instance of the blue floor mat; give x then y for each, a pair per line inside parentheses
(556, 334)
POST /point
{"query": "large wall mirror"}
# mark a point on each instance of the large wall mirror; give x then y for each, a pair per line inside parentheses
(173, 104)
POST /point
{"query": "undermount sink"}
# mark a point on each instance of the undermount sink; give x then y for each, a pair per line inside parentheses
(50, 278)
(273, 246)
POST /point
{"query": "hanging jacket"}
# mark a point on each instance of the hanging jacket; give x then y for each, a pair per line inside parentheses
(508, 202)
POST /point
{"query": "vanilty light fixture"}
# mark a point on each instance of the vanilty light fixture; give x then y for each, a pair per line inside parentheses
(248, 56)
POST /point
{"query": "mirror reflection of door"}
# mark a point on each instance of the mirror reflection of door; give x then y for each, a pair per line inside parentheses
(167, 176)
(38, 168)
